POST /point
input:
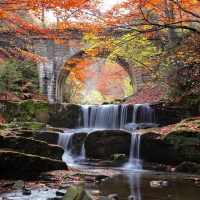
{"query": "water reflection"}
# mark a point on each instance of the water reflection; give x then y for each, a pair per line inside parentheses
(134, 182)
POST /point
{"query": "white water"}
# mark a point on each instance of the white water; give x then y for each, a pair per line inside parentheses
(108, 117)
(134, 157)
(65, 140)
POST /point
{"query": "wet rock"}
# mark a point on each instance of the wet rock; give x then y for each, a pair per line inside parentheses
(7, 184)
(15, 161)
(56, 198)
(133, 198)
(50, 137)
(114, 196)
(25, 133)
(34, 147)
(106, 198)
(18, 185)
(29, 125)
(156, 183)
(60, 192)
(172, 149)
(76, 193)
(188, 167)
(64, 186)
(100, 144)
(27, 192)
(159, 183)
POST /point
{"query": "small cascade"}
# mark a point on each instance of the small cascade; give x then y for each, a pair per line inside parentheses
(134, 161)
(82, 153)
(65, 140)
(115, 116)
(123, 116)
(70, 153)
(142, 117)
(109, 117)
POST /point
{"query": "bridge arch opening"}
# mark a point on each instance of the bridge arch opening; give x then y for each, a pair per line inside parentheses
(98, 87)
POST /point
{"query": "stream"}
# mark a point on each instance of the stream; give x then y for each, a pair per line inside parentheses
(129, 182)
(137, 184)
(133, 180)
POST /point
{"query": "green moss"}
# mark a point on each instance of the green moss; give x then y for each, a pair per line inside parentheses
(33, 125)
(189, 120)
(26, 110)
(10, 110)
(183, 137)
(182, 125)
(197, 122)
(188, 167)
(44, 107)
(150, 135)
(116, 157)
(3, 126)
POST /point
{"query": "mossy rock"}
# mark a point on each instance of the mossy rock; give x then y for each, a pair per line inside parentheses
(3, 126)
(188, 167)
(185, 145)
(34, 147)
(26, 110)
(29, 125)
(32, 109)
(43, 111)
(76, 193)
(183, 137)
(11, 110)
(117, 157)
(15, 161)
(50, 137)
(150, 135)
(33, 126)
(100, 144)
(64, 115)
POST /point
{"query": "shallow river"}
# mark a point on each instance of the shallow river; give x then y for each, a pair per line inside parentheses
(131, 183)
(138, 184)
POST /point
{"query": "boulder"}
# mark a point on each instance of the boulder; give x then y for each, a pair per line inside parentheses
(172, 149)
(35, 147)
(100, 144)
(76, 193)
(15, 161)
(188, 167)
(54, 114)
(50, 137)
(154, 149)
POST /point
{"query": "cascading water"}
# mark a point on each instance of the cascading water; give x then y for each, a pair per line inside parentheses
(109, 117)
(134, 161)
(65, 140)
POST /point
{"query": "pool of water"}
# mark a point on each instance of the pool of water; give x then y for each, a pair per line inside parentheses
(138, 184)
(130, 182)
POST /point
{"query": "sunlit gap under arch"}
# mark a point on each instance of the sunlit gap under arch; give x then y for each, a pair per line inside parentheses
(102, 81)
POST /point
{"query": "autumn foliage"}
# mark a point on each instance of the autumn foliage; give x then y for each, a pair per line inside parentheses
(21, 20)
(156, 37)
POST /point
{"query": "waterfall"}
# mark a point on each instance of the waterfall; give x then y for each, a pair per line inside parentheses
(103, 117)
(123, 116)
(65, 140)
(134, 161)
(82, 153)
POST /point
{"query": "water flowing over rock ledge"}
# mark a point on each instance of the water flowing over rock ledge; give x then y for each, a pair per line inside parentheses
(69, 115)
(113, 145)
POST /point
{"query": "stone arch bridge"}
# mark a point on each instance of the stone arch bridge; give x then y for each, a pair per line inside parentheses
(52, 76)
